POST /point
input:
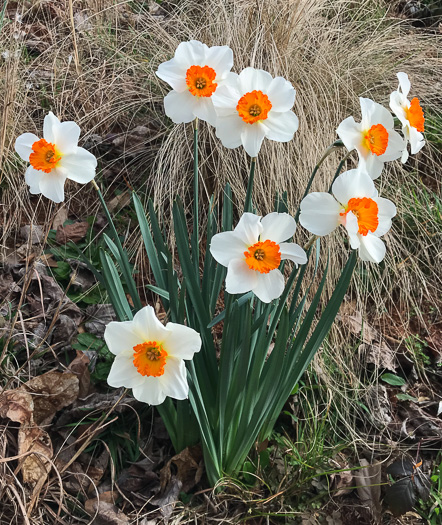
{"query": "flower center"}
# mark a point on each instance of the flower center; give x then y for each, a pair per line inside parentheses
(150, 359)
(254, 106)
(376, 139)
(415, 115)
(44, 156)
(200, 81)
(366, 211)
(263, 256)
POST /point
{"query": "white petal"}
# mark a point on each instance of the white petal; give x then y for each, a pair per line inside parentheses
(174, 74)
(372, 164)
(229, 130)
(269, 286)
(50, 127)
(281, 94)
(372, 248)
(352, 227)
(180, 107)
(148, 327)
(149, 391)
(374, 113)
(192, 53)
(395, 147)
(66, 137)
(319, 213)
(226, 97)
(404, 83)
(220, 58)
(405, 156)
(277, 227)
(52, 185)
(226, 246)
(249, 228)
(350, 133)
(293, 252)
(204, 110)
(386, 211)
(397, 104)
(240, 278)
(79, 166)
(124, 373)
(280, 126)
(174, 380)
(252, 136)
(417, 141)
(121, 337)
(351, 184)
(23, 145)
(252, 79)
(33, 178)
(182, 342)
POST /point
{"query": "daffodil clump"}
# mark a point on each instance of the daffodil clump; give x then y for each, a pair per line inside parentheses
(229, 392)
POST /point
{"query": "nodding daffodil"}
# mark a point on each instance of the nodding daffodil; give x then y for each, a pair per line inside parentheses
(253, 252)
(355, 204)
(254, 105)
(410, 114)
(149, 356)
(195, 73)
(55, 158)
(373, 138)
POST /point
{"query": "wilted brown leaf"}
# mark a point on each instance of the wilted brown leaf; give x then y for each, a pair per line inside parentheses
(71, 232)
(188, 466)
(106, 513)
(80, 367)
(17, 406)
(369, 488)
(36, 466)
(51, 392)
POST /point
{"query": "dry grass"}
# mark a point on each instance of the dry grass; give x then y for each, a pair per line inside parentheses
(96, 65)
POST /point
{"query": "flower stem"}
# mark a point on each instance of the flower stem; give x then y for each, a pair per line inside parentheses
(125, 267)
(195, 233)
(336, 144)
(248, 202)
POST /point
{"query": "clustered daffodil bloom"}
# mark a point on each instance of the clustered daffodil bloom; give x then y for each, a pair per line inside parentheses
(410, 114)
(254, 105)
(55, 158)
(356, 206)
(374, 138)
(195, 73)
(149, 356)
(253, 251)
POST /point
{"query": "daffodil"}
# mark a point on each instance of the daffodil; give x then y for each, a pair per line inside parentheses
(194, 73)
(254, 105)
(357, 207)
(149, 356)
(253, 251)
(410, 114)
(373, 138)
(55, 158)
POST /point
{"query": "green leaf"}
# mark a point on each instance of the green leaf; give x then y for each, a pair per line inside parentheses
(63, 270)
(406, 397)
(393, 379)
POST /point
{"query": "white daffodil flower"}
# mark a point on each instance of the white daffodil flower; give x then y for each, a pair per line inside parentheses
(410, 114)
(253, 251)
(55, 158)
(194, 73)
(254, 105)
(357, 207)
(149, 356)
(373, 138)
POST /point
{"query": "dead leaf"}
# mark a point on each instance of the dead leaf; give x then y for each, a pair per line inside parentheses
(80, 367)
(189, 468)
(50, 392)
(34, 439)
(34, 232)
(369, 488)
(118, 202)
(60, 217)
(71, 232)
(106, 513)
(17, 406)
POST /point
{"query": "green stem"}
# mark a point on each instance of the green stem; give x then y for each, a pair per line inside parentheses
(123, 256)
(195, 234)
(248, 202)
(336, 144)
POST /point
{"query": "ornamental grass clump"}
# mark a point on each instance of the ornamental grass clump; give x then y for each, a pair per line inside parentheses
(225, 388)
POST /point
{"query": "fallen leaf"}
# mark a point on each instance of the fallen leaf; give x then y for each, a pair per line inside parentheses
(71, 232)
(60, 217)
(17, 406)
(34, 439)
(188, 466)
(80, 367)
(368, 479)
(105, 513)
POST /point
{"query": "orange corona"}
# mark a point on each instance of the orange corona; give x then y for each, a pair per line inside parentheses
(415, 115)
(263, 256)
(376, 139)
(44, 156)
(254, 106)
(200, 81)
(150, 359)
(366, 211)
